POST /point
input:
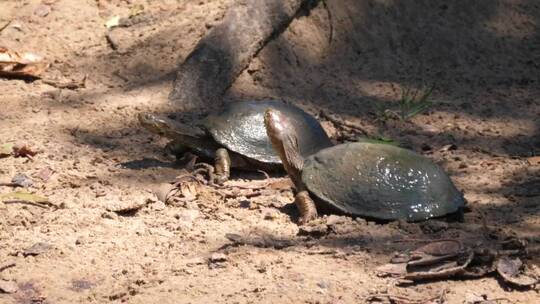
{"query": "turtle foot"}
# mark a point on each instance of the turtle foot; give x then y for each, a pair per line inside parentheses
(306, 206)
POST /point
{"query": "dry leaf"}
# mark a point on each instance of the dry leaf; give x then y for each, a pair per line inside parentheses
(441, 248)
(14, 64)
(45, 174)
(534, 161)
(189, 190)
(511, 271)
(393, 269)
(163, 191)
(6, 150)
(23, 151)
(136, 10)
(112, 22)
(24, 197)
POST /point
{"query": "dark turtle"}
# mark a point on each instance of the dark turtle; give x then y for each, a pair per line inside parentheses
(236, 136)
(366, 179)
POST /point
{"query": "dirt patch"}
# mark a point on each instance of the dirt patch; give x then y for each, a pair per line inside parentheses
(92, 156)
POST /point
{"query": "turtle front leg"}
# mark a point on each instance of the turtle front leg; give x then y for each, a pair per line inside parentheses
(306, 206)
(176, 148)
(222, 165)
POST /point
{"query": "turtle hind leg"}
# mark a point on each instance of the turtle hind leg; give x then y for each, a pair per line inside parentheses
(306, 207)
(222, 165)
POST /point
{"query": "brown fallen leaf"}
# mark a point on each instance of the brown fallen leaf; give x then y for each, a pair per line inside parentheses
(441, 248)
(45, 174)
(163, 191)
(511, 270)
(392, 269)
(21, 65)
(22, 150)
(189, 190)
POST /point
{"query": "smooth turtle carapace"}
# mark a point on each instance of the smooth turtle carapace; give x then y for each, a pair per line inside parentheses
(363, 179)
(236, 136)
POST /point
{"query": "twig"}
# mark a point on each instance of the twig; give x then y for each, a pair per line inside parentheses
(395, 298)
(44, 205)
(341, 122)
(426, 275)
(330, 19)
(12, 264)
(266, 176)
(10, 184)
(425, 240)
(71, 84)
(5, 25)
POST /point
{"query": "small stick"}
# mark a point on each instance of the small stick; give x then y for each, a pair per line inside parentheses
(10, 184)
(266, 176)
(44, 206)
(12, 264)
(342, 122)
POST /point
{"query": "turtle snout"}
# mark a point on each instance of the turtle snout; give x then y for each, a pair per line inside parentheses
(144, 117)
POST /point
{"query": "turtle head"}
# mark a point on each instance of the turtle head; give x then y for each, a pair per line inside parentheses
(154, 123)
(167, 127)
(282, 135)
(277, 126)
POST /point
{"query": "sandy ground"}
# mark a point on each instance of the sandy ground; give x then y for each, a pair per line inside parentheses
(482, 55)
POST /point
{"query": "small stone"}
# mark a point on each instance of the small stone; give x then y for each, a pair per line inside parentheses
(158, 206)
(448, 147)
(271, 215)
(323, 284)
(194, 261)
(81, 285)
(45, 174)
(22, 180)
(8, 286)
(109, 215)
(37, 249)
(187, 215)
(334, 220)
(426, 147)
(42, 10)
(217, 257)
(433, 226)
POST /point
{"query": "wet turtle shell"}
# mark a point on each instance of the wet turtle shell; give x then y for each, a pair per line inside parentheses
(239, 127)
(380, 181)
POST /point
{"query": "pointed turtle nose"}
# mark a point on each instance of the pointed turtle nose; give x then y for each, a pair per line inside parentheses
(144, 117)
(274, 121)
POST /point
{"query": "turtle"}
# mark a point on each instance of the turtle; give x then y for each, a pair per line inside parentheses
(235, 136)
(366, 179)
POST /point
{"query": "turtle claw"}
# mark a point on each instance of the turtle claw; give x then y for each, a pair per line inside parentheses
(219, 179)
(306, 218)
(306, 206)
